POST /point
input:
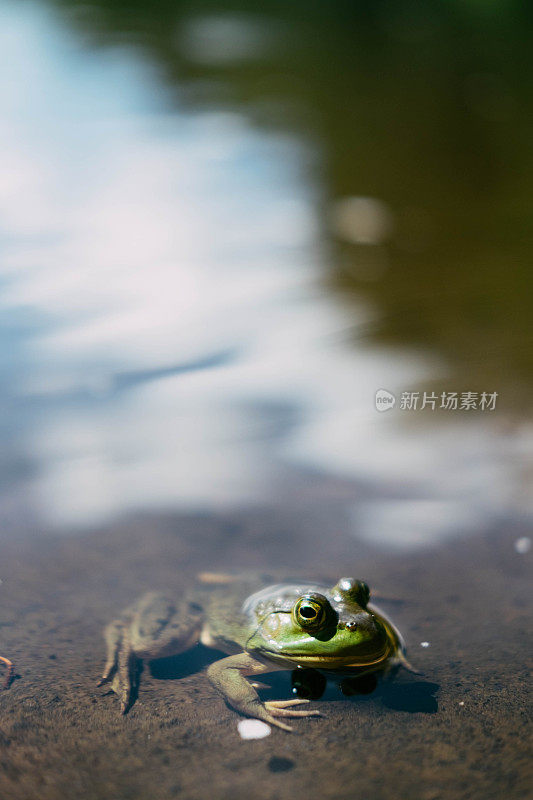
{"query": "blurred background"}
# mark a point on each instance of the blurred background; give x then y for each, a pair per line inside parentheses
(224, 226)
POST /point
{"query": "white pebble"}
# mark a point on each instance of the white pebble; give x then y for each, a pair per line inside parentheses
(522, 545)
(461, 702)
(253, 729)
(424, 644)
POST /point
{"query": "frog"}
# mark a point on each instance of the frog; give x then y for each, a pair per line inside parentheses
(299, 624)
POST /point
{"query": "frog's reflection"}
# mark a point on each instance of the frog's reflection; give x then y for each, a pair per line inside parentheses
(412, 696)
(311, 684)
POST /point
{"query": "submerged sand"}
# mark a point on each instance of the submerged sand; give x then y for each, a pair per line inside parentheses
(458, 731)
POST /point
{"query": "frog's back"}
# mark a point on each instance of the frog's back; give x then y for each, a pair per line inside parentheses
(228, 622)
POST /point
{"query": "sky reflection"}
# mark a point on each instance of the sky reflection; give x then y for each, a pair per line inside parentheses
(167, 338)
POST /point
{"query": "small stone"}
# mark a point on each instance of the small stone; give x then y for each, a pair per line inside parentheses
(424, 644)
(253, 729)
(461, 702)
(523, 545)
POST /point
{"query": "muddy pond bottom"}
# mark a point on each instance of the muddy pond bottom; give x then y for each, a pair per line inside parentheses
(456, 730)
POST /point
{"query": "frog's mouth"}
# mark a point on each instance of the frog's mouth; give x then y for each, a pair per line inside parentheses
(333, 661)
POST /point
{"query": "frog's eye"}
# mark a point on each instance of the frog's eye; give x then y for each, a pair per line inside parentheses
(310, 611)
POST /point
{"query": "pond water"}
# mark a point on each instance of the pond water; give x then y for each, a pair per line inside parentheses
(223, 232)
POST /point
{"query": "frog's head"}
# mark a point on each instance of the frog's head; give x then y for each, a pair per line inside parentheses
(328, 630)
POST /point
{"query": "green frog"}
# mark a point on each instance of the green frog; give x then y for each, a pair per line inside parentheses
(301, 624)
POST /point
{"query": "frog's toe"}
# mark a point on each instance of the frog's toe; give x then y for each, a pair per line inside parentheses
(10, 670)
(123, 689)
(277, 724)
(125, 702)
(113, 635)
(284, 708)
(297, 701)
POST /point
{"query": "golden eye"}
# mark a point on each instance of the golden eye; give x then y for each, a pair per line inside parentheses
(310, 611)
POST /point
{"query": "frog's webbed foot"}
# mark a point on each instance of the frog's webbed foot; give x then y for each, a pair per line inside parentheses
(121, 664)
(228, 677)
(9, 673)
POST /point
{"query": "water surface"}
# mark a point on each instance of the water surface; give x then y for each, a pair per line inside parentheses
(223, 231)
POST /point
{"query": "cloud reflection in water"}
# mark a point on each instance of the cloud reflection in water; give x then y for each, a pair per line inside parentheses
(161, 287)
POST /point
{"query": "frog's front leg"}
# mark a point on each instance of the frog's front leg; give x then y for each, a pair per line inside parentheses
(227, 676)
(154, 627)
